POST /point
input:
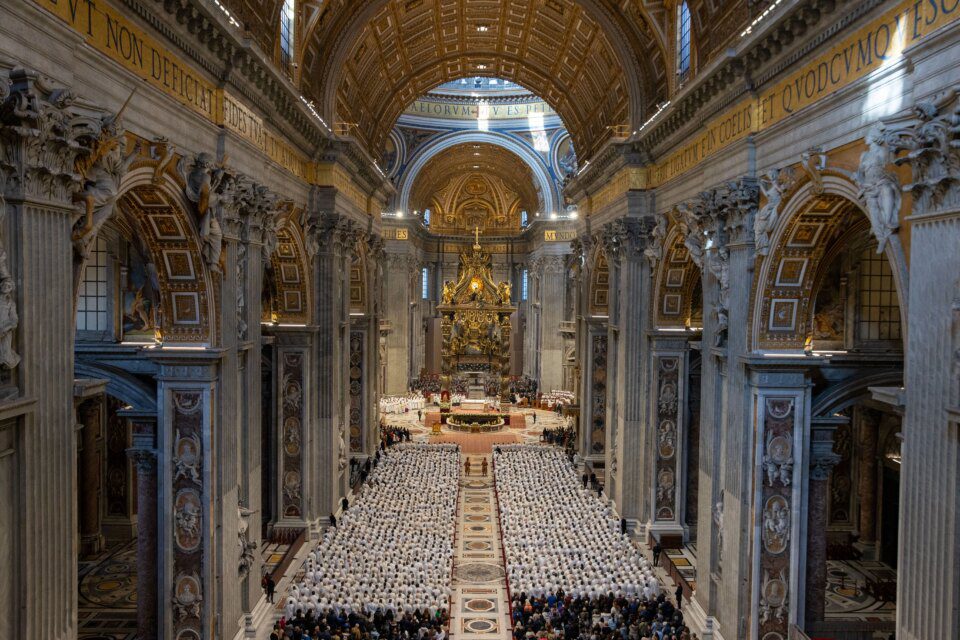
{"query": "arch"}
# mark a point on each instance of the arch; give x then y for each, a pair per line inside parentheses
(843, 394)
(809, 221)
(630, 41)
(120, 384)
(676, 282)
(156, 204)
(551, 199)
(288, 277)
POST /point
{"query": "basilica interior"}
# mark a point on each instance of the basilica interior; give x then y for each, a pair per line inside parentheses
(479, 319)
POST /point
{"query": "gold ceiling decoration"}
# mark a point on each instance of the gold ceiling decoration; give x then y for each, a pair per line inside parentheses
(475, 185)
(599, 64)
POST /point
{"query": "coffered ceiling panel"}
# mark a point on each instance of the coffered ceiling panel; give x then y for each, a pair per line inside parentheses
(599, 63)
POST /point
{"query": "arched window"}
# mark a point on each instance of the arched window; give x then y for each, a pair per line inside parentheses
(523, 218)
(683, 42)
(92, 304)
(286, 32)
(425, 284)
(523, 285)
(426, 217)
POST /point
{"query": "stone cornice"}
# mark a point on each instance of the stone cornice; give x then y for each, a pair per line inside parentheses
(751, 65)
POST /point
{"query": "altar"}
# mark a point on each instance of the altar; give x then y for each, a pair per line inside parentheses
(475, 327)
(474, 405)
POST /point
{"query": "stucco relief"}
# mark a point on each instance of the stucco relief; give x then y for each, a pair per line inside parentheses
(188, 519)
(776, 524)
(778, 460)
(291, 403)
(186, 457)
(668, 397)
(187, 597)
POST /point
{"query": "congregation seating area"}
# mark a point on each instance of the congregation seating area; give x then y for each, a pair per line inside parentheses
(386, 566)
(576, 545)
(571, 570)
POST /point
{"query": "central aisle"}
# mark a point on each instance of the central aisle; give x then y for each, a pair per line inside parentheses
(479, 608)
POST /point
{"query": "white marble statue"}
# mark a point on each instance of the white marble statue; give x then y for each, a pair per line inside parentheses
(879, 187)
(773, 183)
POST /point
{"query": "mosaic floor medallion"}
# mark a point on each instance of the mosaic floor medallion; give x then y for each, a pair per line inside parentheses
(476, 518)
(480, 605)
(479, 572)
(481, 625)
(478, 546)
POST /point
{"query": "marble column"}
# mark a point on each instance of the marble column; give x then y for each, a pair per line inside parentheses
(868, 432)
(330, 241)
(550, 348)
(188, 500)
(629, 465)
(822, 462)
(776, 502)
(928, 558)
(90, 421)
(40, 143)
(143, 454)
(399, 300)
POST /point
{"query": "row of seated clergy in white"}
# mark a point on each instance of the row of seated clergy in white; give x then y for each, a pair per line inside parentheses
(402, 404)
(557, 535)
(393, 548)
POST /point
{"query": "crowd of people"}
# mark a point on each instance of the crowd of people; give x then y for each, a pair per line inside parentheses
(559, 436)
(426, 383)
(391, 435)
(329, 625)
(576, 545)
(607, 617)
(389, 557)
(523, 387)
(573, 572)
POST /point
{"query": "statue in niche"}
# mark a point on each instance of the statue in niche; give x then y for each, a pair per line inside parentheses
(718, 522)
(879, 187)
(204, 184)
(9, 319)
(772, 184)
(246, 546)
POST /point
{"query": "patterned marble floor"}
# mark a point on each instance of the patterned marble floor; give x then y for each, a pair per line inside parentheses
(848, 597)
(108, 595)
(529, 432)
(479, 608)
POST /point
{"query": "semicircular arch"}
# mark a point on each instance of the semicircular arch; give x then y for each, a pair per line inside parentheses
(810, 219)
(168, 230)
(541, 175)
(385, 35)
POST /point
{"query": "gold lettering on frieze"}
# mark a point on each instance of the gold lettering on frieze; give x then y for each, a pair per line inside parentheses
(877, 44)
(453, 111)
(107, 31)
(559, 235)
(402, 234)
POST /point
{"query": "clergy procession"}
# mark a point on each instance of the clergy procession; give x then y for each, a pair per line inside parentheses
(388, 561)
